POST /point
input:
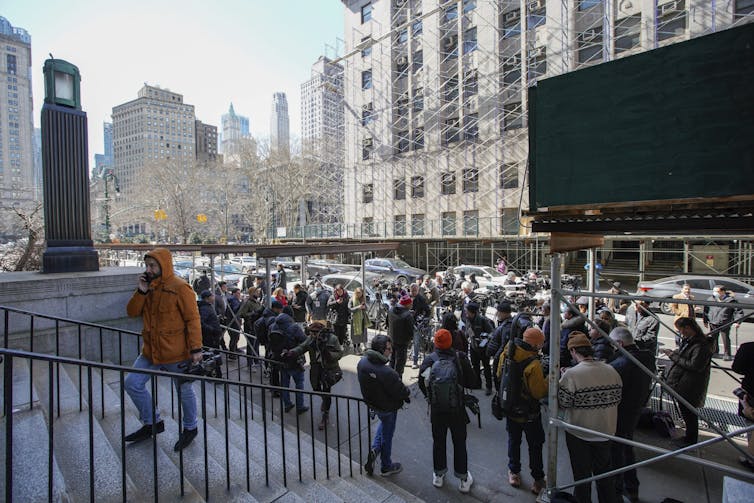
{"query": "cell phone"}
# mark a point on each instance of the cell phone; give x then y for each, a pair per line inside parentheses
(145, 275)
(740, 393)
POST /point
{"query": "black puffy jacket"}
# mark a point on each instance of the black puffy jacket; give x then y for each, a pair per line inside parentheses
(400, 326)
(603, 350)
(211, 329)
(690, 371)
(381, 386)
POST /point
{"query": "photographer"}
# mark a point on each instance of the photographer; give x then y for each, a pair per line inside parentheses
(743, 364)
(211, 329)
(284, 336)
(478, 329)
(172, 335)
(324, 353)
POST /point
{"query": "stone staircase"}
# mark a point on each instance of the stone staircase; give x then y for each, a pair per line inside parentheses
(240, 434)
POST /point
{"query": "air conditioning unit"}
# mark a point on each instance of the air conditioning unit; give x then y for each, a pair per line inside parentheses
(367, 107)
(399, 3)
(450, 41)
(366, 142)
(403, 98)
(514, 60)
(669, 8)
(591, 34)
(401, 60)
(536, 5)
(512, 16)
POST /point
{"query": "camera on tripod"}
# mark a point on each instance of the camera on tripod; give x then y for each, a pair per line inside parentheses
(211, 365)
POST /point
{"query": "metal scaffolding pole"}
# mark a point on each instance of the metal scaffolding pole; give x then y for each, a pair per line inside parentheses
(554, 375)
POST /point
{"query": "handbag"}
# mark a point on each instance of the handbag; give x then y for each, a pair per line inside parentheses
(331, 377)
(497, 408)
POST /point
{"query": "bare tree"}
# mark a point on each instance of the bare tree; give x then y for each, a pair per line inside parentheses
(23, 254)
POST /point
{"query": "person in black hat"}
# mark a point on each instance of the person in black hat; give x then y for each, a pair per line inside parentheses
(211, 329)
(500, 336)
(478, 329)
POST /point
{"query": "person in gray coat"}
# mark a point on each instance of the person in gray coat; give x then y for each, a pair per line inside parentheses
(721, 317)
(316, 304)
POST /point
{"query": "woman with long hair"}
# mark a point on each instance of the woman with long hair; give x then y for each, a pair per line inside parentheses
(279, 295)
(359, 320)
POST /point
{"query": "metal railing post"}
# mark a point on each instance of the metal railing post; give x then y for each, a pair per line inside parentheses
(8, 391)
(554, 375)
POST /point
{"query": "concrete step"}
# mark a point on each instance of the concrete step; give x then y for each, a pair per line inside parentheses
(30, 447)
(72, 431)
(139, 457)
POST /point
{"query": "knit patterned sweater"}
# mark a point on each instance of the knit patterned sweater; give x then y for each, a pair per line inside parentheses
(589, 393)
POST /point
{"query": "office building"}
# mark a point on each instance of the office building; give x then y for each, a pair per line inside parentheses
(18, 184)
(279, 126)
(206, 142)
(235, 129)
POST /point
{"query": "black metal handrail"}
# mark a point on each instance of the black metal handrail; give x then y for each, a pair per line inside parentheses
(245, 396)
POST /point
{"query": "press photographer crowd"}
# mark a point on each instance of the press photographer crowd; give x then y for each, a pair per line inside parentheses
(461, 337)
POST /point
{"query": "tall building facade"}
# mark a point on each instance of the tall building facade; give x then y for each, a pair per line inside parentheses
(436, 99)
(18, 185)
(323, 141)
(206, 142)
(156, 126)
(235, 129)
(104, 161)
(279, 125)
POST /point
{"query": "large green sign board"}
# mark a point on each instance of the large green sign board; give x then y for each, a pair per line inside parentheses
(675, 123)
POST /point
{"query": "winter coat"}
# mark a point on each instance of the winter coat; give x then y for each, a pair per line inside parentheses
(535, 384)
(575, 324)
(644, 328)
(262, 325)
(172, 328)
(420, 306)
(682, 310)
(743, 364)
(316, 304)
(211, 329)
(250, 312)
(466, 377)
(400, 325)
(637, 386)
(690, 371)
(359, 321)
(381, 386)
(722, 315)
(603, 350)
(286, 334)
(324, 353)
(342, 312)
(280, 280)
(298, 304)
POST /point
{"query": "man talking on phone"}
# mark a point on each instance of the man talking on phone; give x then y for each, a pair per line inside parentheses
(172, 336)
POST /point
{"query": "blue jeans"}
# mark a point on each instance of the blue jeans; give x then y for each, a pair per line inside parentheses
(535, 438)
(417, 346)
(136, 382)
(383, 439)
(298, 378)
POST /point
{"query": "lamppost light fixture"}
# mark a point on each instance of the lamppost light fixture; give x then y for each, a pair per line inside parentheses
(62, 83)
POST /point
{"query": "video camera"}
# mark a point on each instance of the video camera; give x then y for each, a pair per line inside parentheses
(211, 365)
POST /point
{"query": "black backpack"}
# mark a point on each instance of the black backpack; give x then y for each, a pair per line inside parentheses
(513, 401)
(445, 392)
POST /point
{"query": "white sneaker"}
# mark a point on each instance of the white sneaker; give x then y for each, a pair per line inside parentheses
(438, 480)
(465, 485)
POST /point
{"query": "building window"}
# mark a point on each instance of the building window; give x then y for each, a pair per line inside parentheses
(399, 189)
(513, 116)
(402, 37)
(367, 50)
(399, 225)
(449, 47)
(10, 63)
(470, 83)
(416, 28)
(470, 223)
(743, 8)
(450, 130)
(587, 4)
(417, 224)
(537, 14)
(401, 66)
(367, 193)
(537, 63)
(512, 70)
(469, 40)
(470, 180)
(671, 19)
(628, 33)
(451, 13)
(367, 226)
(366, 13)
(470, 127)
(509, 221)
(366, 149)
(469, 5)
(590, 45)
(448, 183)
(512, 23)
(449, 223)
(366, 79)
(509, 175)
(367, 114)
(418, 61)
(417, 186)
(418, 103)
(450, 89)
(418, 138)
(402, 145)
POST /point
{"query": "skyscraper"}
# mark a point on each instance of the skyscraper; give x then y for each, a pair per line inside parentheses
(17, 183)
(322, 140)
(279, 125)
(102, 161)
(206, 142)
(156, 126)
(235, 128)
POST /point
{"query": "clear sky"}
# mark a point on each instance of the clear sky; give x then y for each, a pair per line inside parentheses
(213, 52)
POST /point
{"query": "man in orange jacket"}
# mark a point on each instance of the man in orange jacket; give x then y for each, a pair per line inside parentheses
(172, 336)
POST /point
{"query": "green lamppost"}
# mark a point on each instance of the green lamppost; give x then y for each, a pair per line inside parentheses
(65, 167)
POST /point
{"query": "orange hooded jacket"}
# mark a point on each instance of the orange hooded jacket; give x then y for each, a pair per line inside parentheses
(172, 330)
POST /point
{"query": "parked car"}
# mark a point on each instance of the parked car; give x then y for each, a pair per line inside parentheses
(288, 263)
(701, 289)
(246, 263)
(324, 267)
(229, 273)
(394, 269)
(486, 276)
(183, 268)
(351, 281)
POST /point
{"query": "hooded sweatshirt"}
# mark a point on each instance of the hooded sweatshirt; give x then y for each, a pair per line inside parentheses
(172, 330)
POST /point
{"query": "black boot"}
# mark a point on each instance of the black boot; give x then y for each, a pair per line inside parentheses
(185, 439)
(145, 432)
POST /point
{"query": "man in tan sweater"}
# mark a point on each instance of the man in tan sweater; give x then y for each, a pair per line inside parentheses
(589, 393)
